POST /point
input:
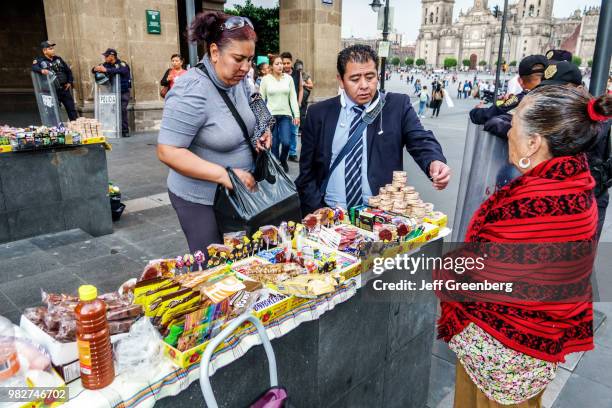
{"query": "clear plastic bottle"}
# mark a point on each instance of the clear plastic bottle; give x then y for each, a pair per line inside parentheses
(9, 361)
(93, 340)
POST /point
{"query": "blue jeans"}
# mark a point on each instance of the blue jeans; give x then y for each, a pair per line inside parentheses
(422, 107)
(294, 136)
(281, 136)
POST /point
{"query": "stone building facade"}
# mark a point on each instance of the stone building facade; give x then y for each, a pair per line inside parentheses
(475, 34)
(83, 29)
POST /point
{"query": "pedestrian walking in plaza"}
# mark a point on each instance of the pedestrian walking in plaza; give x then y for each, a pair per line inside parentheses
(172, 74)
(467, 88)
(417, 87)
(114, 66)
(459, 90)
(278, 90)
(509, 352)
(423, 101)
(343, 159)
(308, 86)
(263, 69)
(48, 63)
(198, 139)
(437, 96)
(298, 83)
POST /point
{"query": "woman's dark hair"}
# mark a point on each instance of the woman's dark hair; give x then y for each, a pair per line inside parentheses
(260, 67)
(208, 27)
(559, 113)
(358, 53)
(176, 56)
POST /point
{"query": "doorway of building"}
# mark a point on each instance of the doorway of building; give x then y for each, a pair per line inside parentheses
(182, 20)
(24, 23)
(473, 61)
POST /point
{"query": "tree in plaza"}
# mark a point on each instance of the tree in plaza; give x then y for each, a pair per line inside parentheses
(409, 61)
(590, 63)
(466, 62)
(420, 62)
(512, 63)
(577, 60)
(395, 61)
(266, 23)
(483, 63)
(450, 63)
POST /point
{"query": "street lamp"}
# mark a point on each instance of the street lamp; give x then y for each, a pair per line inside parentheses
(376, 6)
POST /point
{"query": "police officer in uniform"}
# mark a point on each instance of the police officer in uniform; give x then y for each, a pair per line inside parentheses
(558, 55)
(48, 63)
(562, 72)
(114, 66)
(496, 118)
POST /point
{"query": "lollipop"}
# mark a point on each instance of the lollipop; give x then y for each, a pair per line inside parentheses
(189, 260)
(199, 259)
(179, 264)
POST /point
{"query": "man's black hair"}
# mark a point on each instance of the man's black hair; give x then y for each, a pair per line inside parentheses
(286, 54)
(358, 53)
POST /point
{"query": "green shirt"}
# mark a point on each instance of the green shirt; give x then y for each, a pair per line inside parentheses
(280, 95)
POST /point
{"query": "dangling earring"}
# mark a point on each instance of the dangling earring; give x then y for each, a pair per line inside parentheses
(525, 163)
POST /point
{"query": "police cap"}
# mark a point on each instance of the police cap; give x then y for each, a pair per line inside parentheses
(559, 55)
(46, 44)
(562, 73)
(526, 67)
(110, 51)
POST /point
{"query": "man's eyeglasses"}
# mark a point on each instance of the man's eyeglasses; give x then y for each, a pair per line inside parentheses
(236, 22)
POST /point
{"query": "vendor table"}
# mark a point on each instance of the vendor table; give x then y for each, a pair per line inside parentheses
(53, 190)
(340, 350)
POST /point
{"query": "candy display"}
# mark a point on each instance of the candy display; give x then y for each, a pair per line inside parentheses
(401, 199)
(86, 127)
(189, 298)
(57, 317)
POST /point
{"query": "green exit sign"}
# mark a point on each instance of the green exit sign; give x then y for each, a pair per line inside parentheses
(153, 22)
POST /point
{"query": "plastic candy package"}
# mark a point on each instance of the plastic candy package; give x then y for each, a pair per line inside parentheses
(140, 352)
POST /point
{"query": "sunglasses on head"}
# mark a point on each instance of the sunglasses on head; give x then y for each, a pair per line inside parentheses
(236, 22)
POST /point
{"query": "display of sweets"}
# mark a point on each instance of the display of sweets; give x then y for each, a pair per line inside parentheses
(400, 198)
(86, 127)
(37, 137)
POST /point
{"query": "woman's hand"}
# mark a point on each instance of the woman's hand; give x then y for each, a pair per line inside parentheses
(264, 142)
(245, 177)
(296, 121)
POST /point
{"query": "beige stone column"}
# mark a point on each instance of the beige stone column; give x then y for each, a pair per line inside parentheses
(83, 29)
(213, 5)
(310, 30)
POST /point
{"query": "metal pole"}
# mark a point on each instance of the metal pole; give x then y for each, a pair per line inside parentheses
(501, 49)
(603, 50)
(383, 60)
(193, 47)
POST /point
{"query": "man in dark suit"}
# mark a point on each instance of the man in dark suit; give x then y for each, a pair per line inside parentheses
(370, 156)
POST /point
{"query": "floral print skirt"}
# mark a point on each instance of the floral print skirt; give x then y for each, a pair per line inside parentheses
(502, 374)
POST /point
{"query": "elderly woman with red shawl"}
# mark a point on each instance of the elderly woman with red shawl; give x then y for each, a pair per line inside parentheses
(508, 348)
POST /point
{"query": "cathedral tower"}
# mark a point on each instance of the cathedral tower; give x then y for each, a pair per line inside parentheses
(435, 15)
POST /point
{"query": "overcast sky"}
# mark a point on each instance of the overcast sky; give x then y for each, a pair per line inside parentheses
(359, 20)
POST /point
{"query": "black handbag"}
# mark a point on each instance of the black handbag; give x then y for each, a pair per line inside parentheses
(271, 203)
(275, 199)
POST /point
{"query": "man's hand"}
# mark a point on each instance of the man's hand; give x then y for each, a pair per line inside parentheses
(99, 68)
(264, 142)
(296, 122)
(44, 71)
(440, 174)
(480, 105)
(67, 86)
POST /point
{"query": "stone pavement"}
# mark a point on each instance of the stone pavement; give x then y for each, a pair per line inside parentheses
(149, 229)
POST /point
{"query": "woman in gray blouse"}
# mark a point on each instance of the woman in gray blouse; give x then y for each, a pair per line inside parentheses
(199, 138)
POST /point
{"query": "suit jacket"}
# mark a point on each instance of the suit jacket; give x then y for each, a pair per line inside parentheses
(401, 128)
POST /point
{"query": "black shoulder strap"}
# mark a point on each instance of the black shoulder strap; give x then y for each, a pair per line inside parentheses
(232, 109)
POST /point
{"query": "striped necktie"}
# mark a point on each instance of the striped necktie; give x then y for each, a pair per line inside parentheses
(352, 165)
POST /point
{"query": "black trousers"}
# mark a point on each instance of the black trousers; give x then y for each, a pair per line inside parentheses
(125, 100)
(198, 223)
(65, 98)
